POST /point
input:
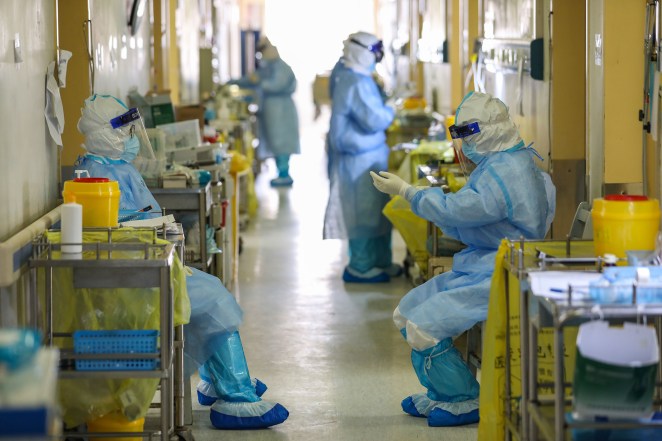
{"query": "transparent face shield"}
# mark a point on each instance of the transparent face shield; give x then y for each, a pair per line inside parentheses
(133, 135)
(457, 134)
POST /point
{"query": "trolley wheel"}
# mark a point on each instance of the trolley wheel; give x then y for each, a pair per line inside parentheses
(183, 436)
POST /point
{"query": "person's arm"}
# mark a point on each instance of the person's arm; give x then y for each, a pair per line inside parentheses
(281, 80)
(469, 207)
(368, 110)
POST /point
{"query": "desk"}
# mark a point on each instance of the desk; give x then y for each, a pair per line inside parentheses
(196, 199)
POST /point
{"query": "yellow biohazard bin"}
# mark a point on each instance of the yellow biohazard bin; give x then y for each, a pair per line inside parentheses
(115, 422)
(100, 198)
(625, 223)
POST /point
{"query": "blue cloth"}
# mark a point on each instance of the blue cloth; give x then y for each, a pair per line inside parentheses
(214, 313)
(283, 165)
(278, 120)
(452, 396)
(238, 405)
(507, 196)
(214, 310)
(357, 144)
(365, 254)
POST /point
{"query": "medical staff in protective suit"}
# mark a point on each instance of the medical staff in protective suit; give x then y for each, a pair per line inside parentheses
(114, 136)
(506, 196)
(278, 120)
(357, 144)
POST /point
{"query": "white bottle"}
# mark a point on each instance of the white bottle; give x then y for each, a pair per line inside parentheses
(71, 215)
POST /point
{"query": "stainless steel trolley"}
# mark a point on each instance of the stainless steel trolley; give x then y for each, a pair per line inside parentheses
(126, 264)
(533, 416)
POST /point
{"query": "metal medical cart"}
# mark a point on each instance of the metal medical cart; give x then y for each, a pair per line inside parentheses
(126, 264)
(534, 416)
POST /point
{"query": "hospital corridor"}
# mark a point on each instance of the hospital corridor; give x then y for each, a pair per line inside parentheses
(330, 220)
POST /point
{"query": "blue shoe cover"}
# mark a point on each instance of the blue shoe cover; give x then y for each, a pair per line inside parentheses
(285, 181)
(454, 414)
(371, 276)
(207, 394)
(260, 387)
(236, 416)
(418, 405)
(394, 270)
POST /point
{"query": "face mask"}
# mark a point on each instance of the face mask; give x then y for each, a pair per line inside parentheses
(131, 149)
(469, 150)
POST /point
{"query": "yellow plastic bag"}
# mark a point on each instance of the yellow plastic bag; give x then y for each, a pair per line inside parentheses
(493, 367)
(412, 228)
(76, 309)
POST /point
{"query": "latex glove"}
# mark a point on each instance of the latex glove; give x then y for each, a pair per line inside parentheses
(389, 183)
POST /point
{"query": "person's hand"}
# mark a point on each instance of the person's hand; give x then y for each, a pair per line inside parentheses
(389, 183)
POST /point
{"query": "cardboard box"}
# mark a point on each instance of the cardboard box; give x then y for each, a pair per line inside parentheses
(186, 113)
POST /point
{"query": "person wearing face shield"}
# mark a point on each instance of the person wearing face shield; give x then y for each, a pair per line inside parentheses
(506, 196)
(356, 143)
(114, 135)
(278, 120)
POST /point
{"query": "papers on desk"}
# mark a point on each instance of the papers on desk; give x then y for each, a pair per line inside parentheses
(555, 284)
(156, 222)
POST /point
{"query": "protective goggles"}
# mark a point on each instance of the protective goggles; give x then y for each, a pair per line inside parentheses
(125, 118)
(376, 48)
(464, 131)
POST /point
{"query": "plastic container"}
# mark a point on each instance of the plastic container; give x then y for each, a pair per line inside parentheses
(615, 383)
(115, 422)
(71, 215)
(114, 342)
(100, 198)
(624, 223)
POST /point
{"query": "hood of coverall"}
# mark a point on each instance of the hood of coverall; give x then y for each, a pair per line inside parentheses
(268, 50)
(357, 56)
(498, 132)
(104, 139)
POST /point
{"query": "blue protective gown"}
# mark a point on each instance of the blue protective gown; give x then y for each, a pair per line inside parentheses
(212, 337)
(278, 120)
(507, 196)
(357, 144)
(214, 309)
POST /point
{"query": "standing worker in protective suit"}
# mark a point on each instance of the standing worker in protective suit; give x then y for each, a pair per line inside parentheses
(278, 120)
(506, 196)
(114, 136)
(357, 144)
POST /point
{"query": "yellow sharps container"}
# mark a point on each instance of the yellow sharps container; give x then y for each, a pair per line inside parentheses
(625, 223)
(115, 422)
(100, 198)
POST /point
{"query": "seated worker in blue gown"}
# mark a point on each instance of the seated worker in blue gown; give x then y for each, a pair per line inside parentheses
(506, 196)
(114, 135)
(277, 116)
(356, 144)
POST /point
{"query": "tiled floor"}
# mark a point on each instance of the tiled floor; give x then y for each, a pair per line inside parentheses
(328, 351)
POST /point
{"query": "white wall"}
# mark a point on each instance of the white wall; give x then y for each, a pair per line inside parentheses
(122, 61)
(28, 159)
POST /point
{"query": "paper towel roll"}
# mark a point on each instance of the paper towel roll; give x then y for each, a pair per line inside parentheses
(71, 214)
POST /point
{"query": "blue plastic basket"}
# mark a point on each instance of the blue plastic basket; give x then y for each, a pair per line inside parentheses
(116, 342)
